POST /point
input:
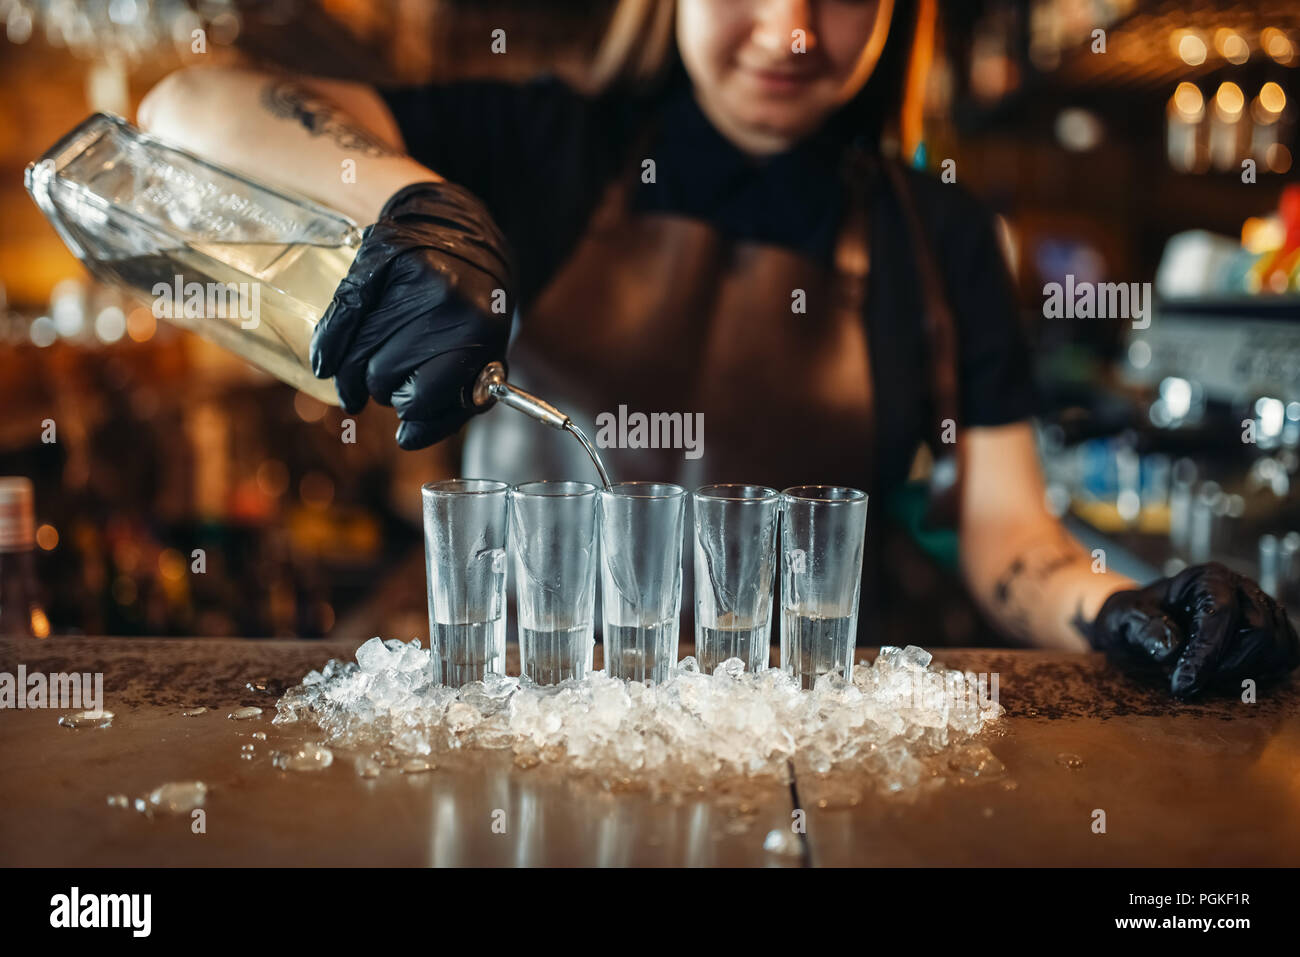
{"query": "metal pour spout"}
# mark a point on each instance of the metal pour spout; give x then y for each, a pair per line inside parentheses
(491, 386)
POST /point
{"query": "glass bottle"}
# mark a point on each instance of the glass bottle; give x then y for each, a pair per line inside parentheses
(21, 612)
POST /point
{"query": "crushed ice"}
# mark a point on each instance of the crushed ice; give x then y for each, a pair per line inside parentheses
(895, 720)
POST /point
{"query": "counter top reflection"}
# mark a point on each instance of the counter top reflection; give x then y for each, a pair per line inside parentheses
(1179, 784)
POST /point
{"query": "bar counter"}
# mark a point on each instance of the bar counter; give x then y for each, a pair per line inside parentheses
(1215, 782)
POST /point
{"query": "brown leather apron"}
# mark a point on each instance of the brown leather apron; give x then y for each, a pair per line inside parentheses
(658, 313)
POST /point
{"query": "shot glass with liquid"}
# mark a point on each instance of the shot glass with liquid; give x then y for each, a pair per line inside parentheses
(735, 566)
(641, 526)
(465, 531)
(823, 532)
(553, 548)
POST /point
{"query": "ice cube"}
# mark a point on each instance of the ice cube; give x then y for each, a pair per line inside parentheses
(731, 668)
(889, 659)
(462, 717)
(916, 658)
(374, 656)
(977, 761)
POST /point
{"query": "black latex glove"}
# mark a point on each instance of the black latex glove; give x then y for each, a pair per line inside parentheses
(1205, 626)
(412, 324)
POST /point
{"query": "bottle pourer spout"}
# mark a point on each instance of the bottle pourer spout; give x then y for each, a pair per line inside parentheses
(491, 386)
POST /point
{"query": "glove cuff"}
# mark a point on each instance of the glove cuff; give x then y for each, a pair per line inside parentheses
(1098, 635)
(456, 225)
(427, 187)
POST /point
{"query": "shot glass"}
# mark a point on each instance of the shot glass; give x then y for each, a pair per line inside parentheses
(465, 526)
(553, 545)
(735, 565)
(641, 528)
(823, 531)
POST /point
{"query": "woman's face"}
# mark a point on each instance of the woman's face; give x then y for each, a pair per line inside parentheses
(769, 72)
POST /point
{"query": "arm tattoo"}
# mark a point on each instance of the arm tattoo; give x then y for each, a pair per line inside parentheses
(1020, 589)
(319, 117)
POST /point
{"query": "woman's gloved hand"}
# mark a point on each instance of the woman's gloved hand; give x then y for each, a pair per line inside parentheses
(1205, 626)
(425, 306)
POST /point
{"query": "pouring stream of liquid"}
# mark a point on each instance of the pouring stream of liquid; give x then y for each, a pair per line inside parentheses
(591, 451)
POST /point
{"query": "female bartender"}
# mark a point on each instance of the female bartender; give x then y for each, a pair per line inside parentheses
(710, 230)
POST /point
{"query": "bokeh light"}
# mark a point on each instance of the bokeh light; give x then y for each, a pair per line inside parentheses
(1189, 101)
(47, 538)
(140, 324)
(1229, 100)
(316, 489)
(1190, 47)
(272, 478)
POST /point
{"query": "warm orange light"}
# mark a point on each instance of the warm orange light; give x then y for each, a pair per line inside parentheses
(47, 537)
(1188, 100)
(1190, 47)
(1262, 234)
(1276, 44)
(141, 325)
(126, 555)
(1278, 157)
(1229, 100)
(171, 565)
(1231, 46)
(1272, 97)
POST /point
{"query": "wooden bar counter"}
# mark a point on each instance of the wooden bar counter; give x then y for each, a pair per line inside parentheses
(1215, 782)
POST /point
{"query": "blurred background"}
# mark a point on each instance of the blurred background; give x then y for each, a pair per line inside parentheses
(1117, 140)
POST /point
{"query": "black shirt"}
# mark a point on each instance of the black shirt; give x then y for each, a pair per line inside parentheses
(540, 156)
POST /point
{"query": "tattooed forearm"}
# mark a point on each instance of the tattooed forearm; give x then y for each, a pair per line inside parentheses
(1034, 566)
(1020, 590)
(319, 117)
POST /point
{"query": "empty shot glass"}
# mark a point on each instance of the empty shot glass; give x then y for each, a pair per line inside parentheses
(641, 528)
(735, 565)
(553, 546)
(823, 531)
(465, 526)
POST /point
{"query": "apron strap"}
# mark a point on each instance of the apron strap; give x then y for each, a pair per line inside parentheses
(941, 333)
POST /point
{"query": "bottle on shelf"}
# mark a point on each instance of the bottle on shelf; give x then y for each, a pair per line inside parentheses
(21, 612)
